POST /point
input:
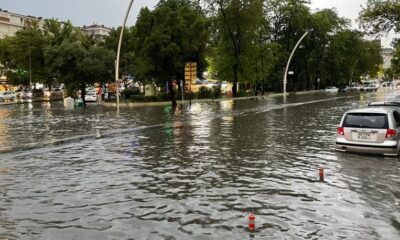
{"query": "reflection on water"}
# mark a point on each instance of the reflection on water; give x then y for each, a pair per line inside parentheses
(195, 173)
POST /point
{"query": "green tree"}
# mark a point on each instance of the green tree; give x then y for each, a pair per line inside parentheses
(167, 37)
(96, 65)
(24, 52)
(55, 33)
(324, 25)
(394, 70)
(238, 24)
(127, 49)
(349, 56)
(381, 16)
(289, 20)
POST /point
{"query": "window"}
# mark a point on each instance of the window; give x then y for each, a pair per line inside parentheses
(5, 19)
(396, 116)
(366, 120)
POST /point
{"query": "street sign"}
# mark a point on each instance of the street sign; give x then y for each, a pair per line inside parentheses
(191, 72)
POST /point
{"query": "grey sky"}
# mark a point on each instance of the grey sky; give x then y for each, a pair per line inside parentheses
(110, 12)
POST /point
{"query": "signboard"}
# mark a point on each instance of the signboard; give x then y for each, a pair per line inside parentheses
(191, 72)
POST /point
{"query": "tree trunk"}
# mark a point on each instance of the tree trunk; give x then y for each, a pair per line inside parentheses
(262, 88)
(172, 93)
(235, 80)
(83, 93)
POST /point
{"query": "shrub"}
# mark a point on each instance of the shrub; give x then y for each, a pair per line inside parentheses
(204, 92)
(127, 93)
(163, 97)
(189, 95)
(150, 98)
(243, 93)
(217, 92)
(137, 98)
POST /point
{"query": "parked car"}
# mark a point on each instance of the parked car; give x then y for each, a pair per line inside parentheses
(7, 96)
(18, 92)
(25, 94)
(344, 88)
(38, 93)
(53, 94)
(91, 96)
(371, 87)
(331, 89)
(356, 88)
(386, 84)
(57, 93)
(371, 130)
(393, 102)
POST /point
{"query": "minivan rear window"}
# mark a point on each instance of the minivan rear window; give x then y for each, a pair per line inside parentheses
(366, 120)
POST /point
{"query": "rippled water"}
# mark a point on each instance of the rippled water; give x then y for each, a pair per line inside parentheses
(196, 174)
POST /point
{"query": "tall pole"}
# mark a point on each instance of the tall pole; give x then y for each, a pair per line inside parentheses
(288, 63)
(30, 60)
(119, 50)
(30, 69)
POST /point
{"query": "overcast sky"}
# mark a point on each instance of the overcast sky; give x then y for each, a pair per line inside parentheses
(110, 12)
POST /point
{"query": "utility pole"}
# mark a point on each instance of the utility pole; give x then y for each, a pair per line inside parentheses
(30, 68)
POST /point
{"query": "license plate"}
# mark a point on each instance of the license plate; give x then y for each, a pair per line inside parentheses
(365, 136)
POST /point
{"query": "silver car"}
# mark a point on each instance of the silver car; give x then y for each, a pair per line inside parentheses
(372, 130)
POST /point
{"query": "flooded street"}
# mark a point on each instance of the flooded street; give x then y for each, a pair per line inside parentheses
(194, 174)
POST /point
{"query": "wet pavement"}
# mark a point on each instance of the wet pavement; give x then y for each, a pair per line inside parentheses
(193, 174)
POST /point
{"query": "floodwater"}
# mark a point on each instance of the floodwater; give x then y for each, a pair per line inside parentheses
(192, 174)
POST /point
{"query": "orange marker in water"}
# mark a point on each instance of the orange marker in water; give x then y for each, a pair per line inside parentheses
(321, 175)
(252, 220)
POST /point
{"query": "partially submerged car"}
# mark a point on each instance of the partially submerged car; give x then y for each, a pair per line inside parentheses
(91, 96)
(25, 94)
(7, 96)
(331, 89)
(372, 130)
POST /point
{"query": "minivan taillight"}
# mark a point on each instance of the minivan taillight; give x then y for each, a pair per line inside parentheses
(340, 130)
(390, 133)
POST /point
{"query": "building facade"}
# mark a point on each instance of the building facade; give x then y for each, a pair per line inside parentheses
(387, 55)
(10, 23)
(96, 30)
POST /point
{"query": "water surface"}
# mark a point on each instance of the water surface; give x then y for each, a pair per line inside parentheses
(194, 174)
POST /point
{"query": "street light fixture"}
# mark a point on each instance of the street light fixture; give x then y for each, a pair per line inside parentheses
(119, 50)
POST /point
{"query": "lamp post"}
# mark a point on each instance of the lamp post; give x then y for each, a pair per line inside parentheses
(288, 63)
(119, 50)
(29, 54)
(30, 68)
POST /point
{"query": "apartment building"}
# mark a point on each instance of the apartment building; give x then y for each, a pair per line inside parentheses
(10, 22)
(387, 55)
(96, 30)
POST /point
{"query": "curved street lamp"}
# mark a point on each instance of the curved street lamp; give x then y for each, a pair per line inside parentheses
(119, 49)
(288, 63)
